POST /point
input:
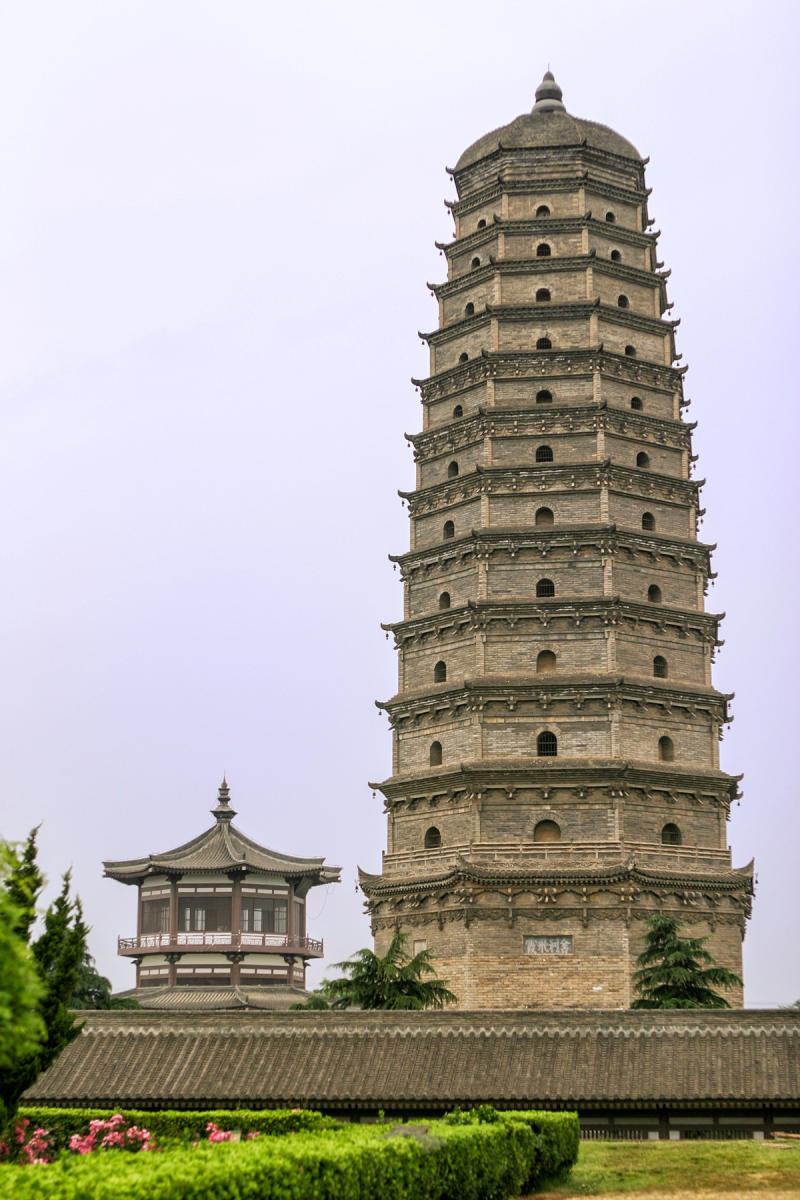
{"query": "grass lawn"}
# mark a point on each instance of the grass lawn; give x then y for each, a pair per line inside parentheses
(680, 1170)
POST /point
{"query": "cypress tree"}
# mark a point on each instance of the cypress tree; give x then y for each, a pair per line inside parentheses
(676, 972)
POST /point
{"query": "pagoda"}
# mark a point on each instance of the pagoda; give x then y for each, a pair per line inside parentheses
(555, 775)
(221, 920)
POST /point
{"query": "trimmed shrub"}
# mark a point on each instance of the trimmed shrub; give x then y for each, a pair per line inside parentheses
(557, 1136)
(480, 1160)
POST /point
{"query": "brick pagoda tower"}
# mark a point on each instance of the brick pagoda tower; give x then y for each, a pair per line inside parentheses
(556, 733)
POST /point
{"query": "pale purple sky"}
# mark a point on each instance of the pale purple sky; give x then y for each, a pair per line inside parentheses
(216, 226)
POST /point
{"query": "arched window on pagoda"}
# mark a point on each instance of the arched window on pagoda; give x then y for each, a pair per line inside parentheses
(547, 831)
(547, 744)
(545, 662)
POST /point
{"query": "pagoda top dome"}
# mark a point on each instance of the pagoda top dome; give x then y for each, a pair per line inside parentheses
(547, 124)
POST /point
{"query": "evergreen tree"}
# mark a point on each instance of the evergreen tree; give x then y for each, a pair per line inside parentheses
(21, 1025)
(676, 972)
(57, 955)
(393, 981)
(93, 990)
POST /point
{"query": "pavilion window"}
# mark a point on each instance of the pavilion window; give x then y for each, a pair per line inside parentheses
(155, 916)
(616, 256)
(264, 914)
(205, 914)
(299, 919)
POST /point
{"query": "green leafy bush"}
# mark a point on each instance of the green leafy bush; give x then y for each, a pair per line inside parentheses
(557, 1136)
(482, 1160)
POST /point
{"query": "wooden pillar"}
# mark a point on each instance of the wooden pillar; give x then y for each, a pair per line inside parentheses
(138, 921)
(291, 932)
(173, 912)
(236, 910)
(235, 960)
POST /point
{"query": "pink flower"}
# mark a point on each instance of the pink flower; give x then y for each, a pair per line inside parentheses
(254, 1133)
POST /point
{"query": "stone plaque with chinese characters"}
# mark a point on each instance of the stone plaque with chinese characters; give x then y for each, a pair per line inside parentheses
(548, 944)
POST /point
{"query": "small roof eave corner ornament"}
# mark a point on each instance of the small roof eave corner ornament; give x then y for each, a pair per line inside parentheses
(222, 809)
(548, 95)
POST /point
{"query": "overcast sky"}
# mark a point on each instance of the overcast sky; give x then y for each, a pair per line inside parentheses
(216, 226)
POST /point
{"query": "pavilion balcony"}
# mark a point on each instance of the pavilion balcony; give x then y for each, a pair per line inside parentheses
(192, 941)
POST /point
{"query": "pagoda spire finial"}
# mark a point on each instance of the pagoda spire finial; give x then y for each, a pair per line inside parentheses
(548, 95)
(222, 810)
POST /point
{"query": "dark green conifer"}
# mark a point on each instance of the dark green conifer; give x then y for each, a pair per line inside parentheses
(676, 972)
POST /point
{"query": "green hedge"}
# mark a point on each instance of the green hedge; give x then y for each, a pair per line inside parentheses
(488, 1160)
(559, 1139)
(170, 1124)
(557, 1136)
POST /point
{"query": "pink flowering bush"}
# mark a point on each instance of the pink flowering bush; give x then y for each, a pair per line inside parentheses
(102, 1135)
(218, 1135)
(33, 1149)
(27, 1148)
(111, 1134)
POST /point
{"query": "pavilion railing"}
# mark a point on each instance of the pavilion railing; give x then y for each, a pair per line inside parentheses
(223, 940)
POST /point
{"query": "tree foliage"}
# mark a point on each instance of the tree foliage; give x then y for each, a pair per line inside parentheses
(57, 954)
(93, 990)
(676, 972)
(21, 1024)
(392, 981)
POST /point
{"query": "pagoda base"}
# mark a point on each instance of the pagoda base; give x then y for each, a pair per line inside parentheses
(514, 939)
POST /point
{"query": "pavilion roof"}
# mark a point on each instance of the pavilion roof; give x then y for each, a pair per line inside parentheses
(221, 848)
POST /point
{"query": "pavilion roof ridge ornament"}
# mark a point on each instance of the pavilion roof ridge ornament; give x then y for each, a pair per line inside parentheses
(222, 810)
(549, 97)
